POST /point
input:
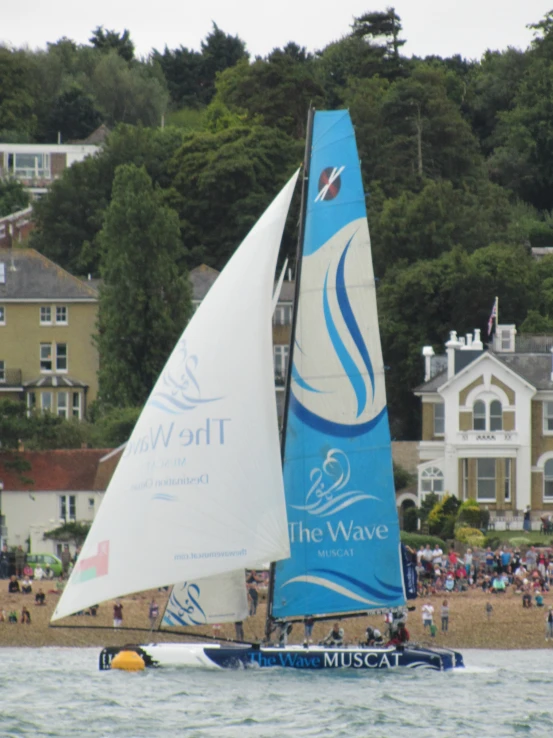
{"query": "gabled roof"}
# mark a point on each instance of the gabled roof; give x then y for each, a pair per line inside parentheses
(202, 279)
(533, 369)
(31, 276)
(71, 470)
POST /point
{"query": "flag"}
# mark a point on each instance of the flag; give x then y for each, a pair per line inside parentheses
(493, 317)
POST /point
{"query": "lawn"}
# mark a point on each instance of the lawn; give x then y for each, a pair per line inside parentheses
(533, 537)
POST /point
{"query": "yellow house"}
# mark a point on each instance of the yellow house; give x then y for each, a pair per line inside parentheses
(47, 321)
(487, 424)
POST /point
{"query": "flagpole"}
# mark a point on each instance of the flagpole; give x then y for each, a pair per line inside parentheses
(496, 313)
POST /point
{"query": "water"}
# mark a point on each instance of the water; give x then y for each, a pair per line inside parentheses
(59, 692)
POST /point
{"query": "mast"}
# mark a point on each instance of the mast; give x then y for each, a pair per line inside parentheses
(299, 254)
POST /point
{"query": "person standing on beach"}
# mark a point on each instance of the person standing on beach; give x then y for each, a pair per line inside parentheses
(153, 612)
(549, 624)
(445, 616)
(427, 611)
(117, 615)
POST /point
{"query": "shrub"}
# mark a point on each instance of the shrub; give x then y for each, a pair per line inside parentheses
(469, 514)
(470, 536)
(410, 519)
(416, 540)
(519, 541)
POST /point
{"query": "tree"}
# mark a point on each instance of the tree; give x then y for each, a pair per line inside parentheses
(381, 31)
(126, 93)
(16, 91)
(73, 115)
(105, 40)
(182, 71)
(222, 183)
(70, 215)
(277, 92)
(145, 302)
(12, 197)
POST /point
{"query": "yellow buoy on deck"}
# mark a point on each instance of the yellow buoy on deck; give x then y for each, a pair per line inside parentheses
(128, 661)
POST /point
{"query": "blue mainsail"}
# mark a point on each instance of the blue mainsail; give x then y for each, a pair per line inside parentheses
(338, 476)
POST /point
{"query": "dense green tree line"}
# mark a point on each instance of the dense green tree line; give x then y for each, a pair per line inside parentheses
(457, 160)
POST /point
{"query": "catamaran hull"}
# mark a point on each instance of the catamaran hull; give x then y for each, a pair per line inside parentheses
(295, 657)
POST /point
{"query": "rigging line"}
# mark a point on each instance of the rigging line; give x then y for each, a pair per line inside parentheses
(125, 629)
(287, 388)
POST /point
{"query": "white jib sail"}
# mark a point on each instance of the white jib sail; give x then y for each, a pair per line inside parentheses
(218, 599)
(198, 490)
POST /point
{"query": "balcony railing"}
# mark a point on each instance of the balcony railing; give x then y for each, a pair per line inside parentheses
(487, 437)
(10, 378)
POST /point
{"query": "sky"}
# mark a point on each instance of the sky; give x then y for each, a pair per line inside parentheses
(442, 27)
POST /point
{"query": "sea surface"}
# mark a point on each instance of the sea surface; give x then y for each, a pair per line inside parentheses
(60, 692)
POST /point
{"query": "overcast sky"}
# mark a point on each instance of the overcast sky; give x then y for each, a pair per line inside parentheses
(443, 27)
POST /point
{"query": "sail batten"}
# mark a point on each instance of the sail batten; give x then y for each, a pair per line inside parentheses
(338, 473)
(198, 491)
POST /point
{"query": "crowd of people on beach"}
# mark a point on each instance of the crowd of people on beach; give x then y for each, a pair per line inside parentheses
(28, 581)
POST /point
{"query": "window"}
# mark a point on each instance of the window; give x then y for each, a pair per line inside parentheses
(439, 419)
(479, 415)
(30, 166)
(31, 400)
(548, 417)
(45, 315)
(61, 314)
(46, 402)
(2, 315)
(62, 404)
(465, 463)
(281, 361)
(61, 357)
(432, 480)
(91, 502)
(496, 416)
(68, 507)
(548, 480)
(283, 315)
(76, 404)
(2, 371)
(45, 357)
(485, 483)
(508, 466)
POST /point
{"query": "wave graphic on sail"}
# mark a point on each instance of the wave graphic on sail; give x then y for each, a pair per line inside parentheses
(184, 607)
(362, 594)
(321, 500)
(180, 389)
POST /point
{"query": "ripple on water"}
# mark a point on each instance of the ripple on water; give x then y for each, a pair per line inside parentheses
(499, 693)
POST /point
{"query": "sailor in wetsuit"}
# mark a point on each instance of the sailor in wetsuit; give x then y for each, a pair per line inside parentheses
(335, 636)
(373, 637)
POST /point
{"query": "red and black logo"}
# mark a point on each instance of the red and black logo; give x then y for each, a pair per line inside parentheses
(330, 182)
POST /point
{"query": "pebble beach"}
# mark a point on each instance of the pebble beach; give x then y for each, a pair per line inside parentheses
(508, 625)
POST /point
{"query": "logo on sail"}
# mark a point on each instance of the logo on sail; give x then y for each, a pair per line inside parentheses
(93, 566)
(184, 606)
(328, 494)
(178, 389)
(329, 183)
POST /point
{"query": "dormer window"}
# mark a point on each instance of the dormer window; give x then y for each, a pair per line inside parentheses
(479, 416)
(504, 339)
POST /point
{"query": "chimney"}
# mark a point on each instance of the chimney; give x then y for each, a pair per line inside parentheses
(468, 343)
(452, 345)
(428, 353)
(477, 344)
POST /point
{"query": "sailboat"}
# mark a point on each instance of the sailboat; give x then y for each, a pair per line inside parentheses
(208, 486)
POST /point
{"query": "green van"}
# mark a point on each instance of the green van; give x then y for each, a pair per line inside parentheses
(33, 560)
